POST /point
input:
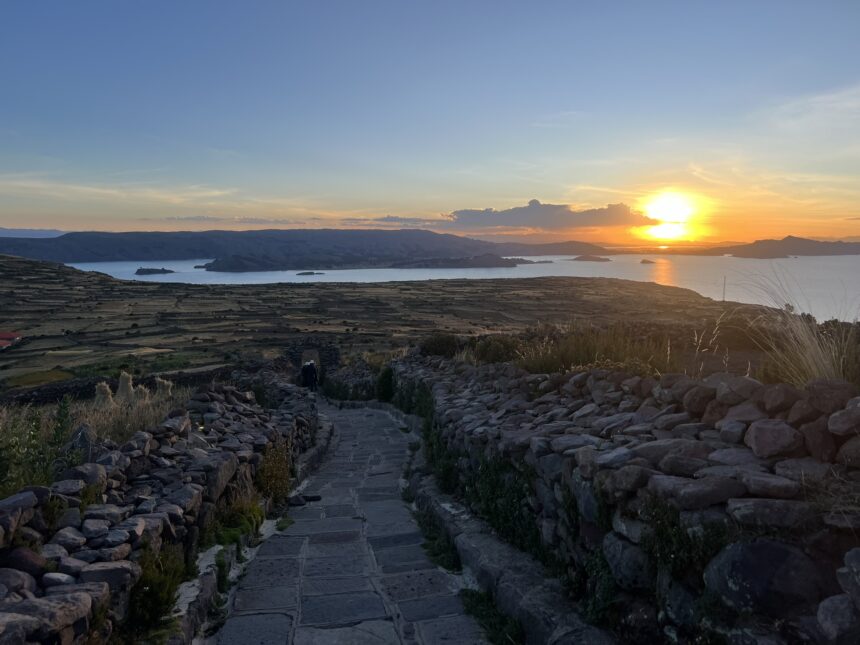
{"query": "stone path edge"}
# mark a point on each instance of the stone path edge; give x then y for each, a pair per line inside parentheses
(519, 583)
(198, 609)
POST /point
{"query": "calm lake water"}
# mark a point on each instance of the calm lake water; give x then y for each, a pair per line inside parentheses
(827, 287)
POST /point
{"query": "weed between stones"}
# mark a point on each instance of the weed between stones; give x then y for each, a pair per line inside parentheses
(500, 629)
(438, 545)
(671, 546)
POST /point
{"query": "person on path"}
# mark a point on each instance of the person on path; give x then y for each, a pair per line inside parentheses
(309, 376)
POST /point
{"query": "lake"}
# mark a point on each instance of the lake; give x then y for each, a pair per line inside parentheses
(827, 286)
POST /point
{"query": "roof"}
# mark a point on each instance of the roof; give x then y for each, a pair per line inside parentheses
(9, 335)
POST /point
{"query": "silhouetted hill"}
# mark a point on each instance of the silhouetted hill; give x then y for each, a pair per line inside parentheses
(274, 249)
(786, 247)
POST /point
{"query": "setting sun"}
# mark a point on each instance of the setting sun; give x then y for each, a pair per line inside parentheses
(674, 213)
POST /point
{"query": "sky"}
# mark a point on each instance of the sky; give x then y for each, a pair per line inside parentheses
(501, 120)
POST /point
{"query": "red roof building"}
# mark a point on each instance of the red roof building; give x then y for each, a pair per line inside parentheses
(8, 338)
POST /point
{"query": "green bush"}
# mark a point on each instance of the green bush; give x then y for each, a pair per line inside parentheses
(274, 474)
(600, 590)
(437, 543)
(385, 385)
(440, 344)
(671, 546)
(499, 494)
(31, 442)
(154, 595)
(222, 572)
(500, 629)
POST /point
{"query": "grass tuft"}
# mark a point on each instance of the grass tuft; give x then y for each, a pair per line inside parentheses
(499, 628)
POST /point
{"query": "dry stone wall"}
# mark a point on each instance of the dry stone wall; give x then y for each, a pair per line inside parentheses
(70, 552)
(677, 509)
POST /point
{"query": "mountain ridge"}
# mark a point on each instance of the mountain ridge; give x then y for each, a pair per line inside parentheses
(275, 249)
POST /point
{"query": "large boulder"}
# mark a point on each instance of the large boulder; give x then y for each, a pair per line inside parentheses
(830, 395)
(845, 423)
(54, 613)
(839, 620)
(764, 576)
(817, 439)
(770, 437)
(118, 575)
(849, 453)
(780, 397)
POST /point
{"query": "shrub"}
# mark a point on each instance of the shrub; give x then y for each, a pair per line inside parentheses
(31, 445)
(499, 348)
(274, 474)
(500, 629)
(548, 350)
(671, 546)
(222, 572)
(440, 344)
(385, 385)
(437, 543)
(499, 493)
(153, 596)
(601, 592)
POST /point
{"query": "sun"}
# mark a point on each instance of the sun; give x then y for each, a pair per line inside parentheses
(674, 213)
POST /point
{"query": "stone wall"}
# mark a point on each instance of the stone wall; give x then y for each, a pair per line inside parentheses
(69, 552)
(677, 510)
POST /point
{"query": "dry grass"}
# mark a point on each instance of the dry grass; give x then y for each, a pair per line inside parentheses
(121, 420)
(797, 348)
(562, 348)
(32, 438)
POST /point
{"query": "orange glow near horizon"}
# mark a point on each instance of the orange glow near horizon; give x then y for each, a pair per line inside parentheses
(675, 213)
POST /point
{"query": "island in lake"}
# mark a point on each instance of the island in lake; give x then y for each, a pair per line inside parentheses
(310, 273)
(589, 258)
(647, 261)
(149, 271)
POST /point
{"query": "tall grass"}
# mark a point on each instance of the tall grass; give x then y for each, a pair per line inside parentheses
(797, 348)
(32, 438)
(558, 349)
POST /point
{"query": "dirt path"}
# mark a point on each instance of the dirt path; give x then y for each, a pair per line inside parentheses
(351, 569)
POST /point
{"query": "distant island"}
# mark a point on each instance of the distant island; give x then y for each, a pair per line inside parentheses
(589, 258)
(281, 250)
(785, 248)
(147, 271)
(647, 261)
(310, 273)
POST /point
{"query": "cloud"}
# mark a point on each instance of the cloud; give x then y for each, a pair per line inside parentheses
(31, 184)
(233, 220)
(536, 215)
(853, 218)
(821, 111)
(394, 221)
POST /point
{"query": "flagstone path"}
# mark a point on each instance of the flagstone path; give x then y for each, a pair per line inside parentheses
(351, 569)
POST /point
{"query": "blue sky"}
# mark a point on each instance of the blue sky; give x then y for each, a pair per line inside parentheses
(129, 115)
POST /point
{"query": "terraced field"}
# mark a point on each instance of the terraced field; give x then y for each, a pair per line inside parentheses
(78, 323)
